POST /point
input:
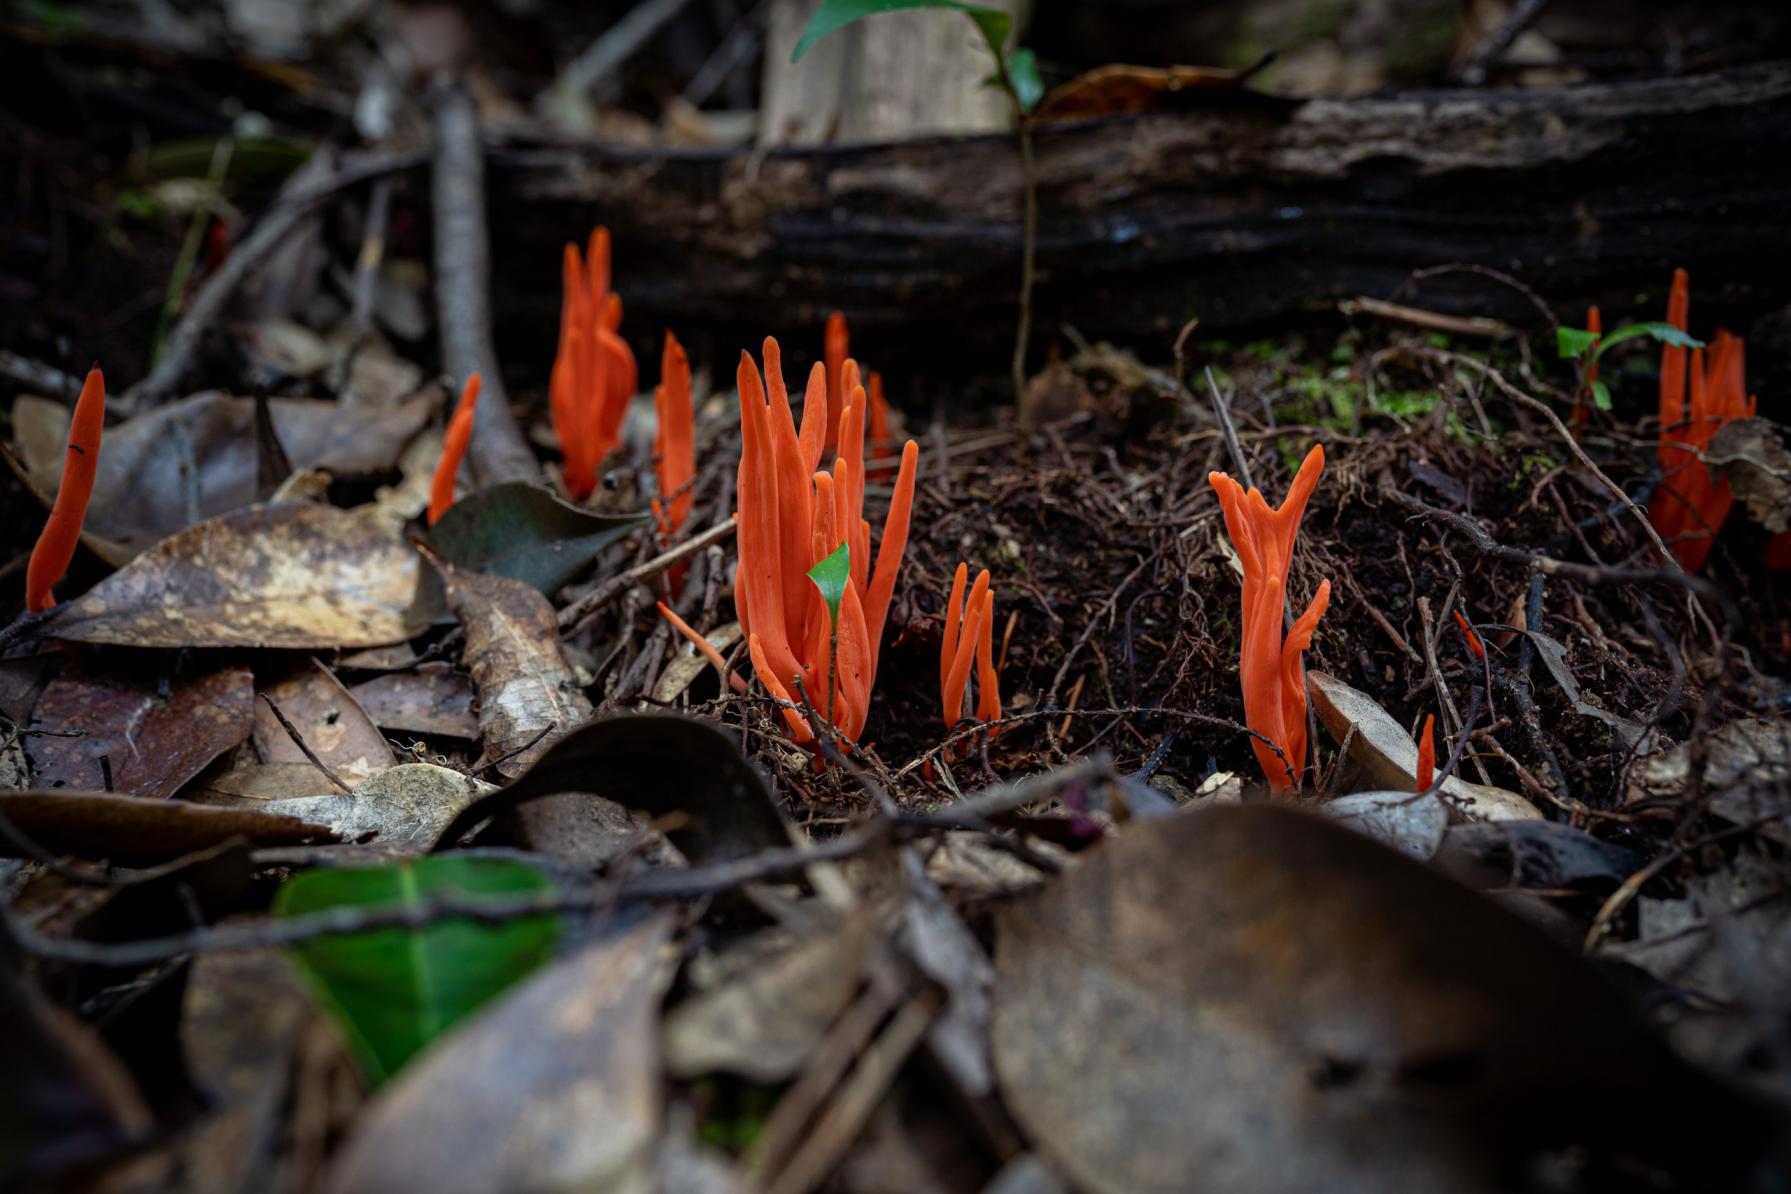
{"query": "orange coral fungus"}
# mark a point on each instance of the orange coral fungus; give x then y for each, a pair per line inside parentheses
(460, 433)
(1427, 754)
(1271, 672)
(1595, 325)
(55, 547)
(675, 444)
(1475, 646)
(594, 373)
(1697, 396)
(790, 517)
(834, 350)
(969, 633)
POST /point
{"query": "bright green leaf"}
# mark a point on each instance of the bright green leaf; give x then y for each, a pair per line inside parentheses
(1665, 333)
(523, 532)
(1573, 343)
(395, 990)
(831, 576)
(1023, 71)
(994, 24)
(1601, 395)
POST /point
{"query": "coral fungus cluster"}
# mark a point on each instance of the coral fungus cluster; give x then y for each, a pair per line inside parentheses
(594, 373)
(1699, 392)
(792, 515)
(969, 636)
(1271, 669)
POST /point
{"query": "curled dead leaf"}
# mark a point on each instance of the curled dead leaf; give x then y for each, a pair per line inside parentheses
(281, 575)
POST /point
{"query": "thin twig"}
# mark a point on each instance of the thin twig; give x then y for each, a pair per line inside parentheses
(574, 615)
(660, 884)
(298, 740)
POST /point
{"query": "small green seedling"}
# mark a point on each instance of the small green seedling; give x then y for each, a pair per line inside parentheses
(1586, 347)
(831, 576)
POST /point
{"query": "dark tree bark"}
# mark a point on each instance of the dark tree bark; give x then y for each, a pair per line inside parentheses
(1242, 211)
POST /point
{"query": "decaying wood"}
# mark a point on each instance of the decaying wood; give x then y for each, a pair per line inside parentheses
(1249, 210)
(463, 285)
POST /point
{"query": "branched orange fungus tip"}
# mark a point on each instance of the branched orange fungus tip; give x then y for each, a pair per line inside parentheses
(55, 548)
(790, 517)
(459, 435)
(1271, 670)
(969, 636)
(834, 351)
(1427, 754)
(1475, 646)
(1698, 394)
(594, 373)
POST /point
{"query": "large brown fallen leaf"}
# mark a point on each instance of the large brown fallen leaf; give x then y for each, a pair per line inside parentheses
(1390, 756)
(91, 721)
(289, 574)
(553, 1089)
(327, 717)
(131, 829)
(1256, 998)
(527, 692)
(199, 454)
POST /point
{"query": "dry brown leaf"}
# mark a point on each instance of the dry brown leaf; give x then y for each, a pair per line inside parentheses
(1744, 764)
(1258, 996)
(327, 717)
(552, 1089)
(1751, 455)
(527, 692)
(287, 575)
(130, 828)
(433, 699)
(152, 743)
(1390, 757)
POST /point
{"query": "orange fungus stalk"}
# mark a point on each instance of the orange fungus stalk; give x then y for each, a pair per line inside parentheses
(55, 548)
(675, 444)
(1271, 670)
(1427, 754)
(459, 435)
(834, 351)
(1475, 646)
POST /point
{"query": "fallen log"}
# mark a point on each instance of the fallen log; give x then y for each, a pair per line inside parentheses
(1241, 211)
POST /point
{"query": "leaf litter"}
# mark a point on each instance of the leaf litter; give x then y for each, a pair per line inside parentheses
(1086, 948)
